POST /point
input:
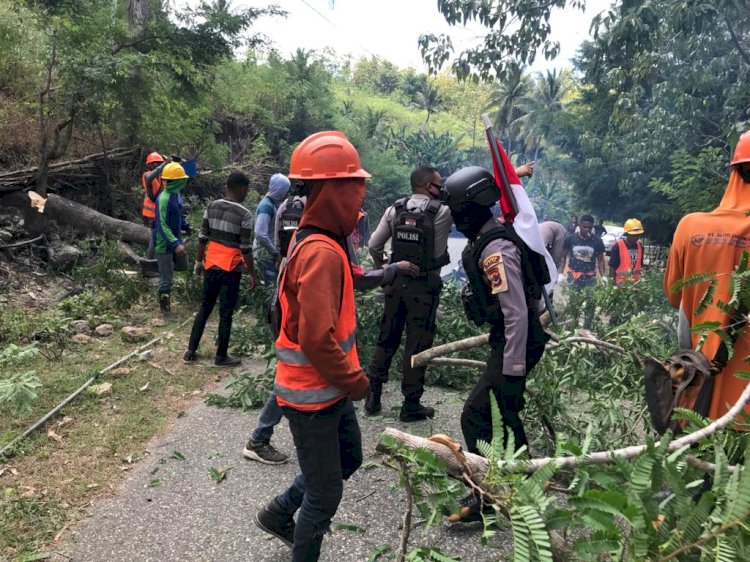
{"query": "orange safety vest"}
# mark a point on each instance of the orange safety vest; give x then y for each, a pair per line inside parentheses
(627, 270)
(149, 206)
(298, 384)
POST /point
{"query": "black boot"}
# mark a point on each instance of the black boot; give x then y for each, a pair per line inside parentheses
(414, 411)
(165, 303)
(275, 521)
(372, 404)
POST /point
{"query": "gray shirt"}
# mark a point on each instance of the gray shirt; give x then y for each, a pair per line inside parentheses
(501, 263)
(554, 234)
(384, 231)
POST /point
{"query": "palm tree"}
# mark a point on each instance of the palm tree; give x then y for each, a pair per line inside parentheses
(505, 104)
(540, 106)
(430, 99)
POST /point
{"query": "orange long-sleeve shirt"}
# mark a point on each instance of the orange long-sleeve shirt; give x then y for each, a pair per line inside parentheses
(713, 243)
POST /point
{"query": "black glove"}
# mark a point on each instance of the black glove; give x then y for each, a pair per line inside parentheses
(176, 159)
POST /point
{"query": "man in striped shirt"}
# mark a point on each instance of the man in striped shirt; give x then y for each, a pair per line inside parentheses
(224, 251)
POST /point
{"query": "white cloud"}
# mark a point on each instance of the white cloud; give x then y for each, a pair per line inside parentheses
(390, 28)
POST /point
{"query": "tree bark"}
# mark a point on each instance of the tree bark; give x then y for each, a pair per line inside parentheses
(478, 464)
(83, 219)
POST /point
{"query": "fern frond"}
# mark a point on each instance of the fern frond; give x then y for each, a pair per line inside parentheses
(690, 280)
(738, 491)
(691, 527)
(530, 526)
(707, 297)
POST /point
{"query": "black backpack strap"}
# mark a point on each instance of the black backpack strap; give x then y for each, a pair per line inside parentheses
(433, 207)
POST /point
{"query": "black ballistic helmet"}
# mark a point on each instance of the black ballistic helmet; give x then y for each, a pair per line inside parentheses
(472, 184)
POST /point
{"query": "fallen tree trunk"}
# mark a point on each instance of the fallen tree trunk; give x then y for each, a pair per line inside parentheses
(479, 465)
(475, 463)
(79, 217)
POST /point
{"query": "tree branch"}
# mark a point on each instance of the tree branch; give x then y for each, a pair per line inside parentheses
(743, 53)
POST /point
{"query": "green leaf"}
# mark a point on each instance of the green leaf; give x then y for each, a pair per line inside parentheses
(378, 551)
(156, 482)
(219, 474)
(350, 527)
(177, 456)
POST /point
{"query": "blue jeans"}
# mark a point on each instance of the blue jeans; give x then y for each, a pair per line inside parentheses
(168, 264)
(268, 270)
(270, 417)
(329, 451)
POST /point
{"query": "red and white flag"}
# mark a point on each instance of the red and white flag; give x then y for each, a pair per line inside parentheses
(523, 218)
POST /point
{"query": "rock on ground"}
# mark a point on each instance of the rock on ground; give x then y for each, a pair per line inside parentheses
(172, 510)
(104, 330)
(132, 334)
(63, 256)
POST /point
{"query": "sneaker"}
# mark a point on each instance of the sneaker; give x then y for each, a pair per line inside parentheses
(227, 361)
(190, 357)
(272, 520)
(264, 452)
(415, 412)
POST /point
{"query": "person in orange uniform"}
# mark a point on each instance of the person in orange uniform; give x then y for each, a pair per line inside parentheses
(626, 262)
(318, 374)
(152, 186)
(714, 243)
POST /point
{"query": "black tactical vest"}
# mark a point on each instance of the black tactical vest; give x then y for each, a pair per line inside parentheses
(414, 235)
(480, 305)
(289, 221)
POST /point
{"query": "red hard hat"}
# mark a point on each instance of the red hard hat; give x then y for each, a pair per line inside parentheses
(326, 155)
(154, 157)
(742, 150)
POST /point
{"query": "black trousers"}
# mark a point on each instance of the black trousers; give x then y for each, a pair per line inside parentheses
(329, 451)
(224, 286)
(410, 305)
(476, 418)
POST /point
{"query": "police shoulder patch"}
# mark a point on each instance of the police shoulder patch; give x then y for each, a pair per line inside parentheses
(494, 269)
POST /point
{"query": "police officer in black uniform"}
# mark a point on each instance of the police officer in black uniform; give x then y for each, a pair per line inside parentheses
(506, 280)
(418, 228)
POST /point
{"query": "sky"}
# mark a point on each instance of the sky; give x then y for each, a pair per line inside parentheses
(390, 28)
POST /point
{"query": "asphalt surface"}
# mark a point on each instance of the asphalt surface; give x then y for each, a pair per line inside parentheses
(169, 509)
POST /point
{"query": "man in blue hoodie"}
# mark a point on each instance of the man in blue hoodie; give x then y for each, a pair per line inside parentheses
(264, 248)
(169, 224)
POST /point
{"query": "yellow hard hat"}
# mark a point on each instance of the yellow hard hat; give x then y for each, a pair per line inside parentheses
(633, 226)
(173, 171)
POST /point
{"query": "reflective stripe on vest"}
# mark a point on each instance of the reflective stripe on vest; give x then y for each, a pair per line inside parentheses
(627, 270)
(298, 384)
(297, 357)
(149, 207)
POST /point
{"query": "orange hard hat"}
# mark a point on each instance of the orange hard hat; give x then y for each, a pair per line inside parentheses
(742, 150)
(326, 155)
(154, 157)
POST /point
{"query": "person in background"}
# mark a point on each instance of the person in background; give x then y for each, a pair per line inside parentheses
(318, 375)
(572, 225)
(152, 186)
(169, 225)
(360, 238)
(599, 229)
(584, 254)
(266, 252)
(225, 243)
(553, 234)
(626, 260)
(715, 243)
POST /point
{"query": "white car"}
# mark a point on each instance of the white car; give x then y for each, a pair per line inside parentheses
(614, 233)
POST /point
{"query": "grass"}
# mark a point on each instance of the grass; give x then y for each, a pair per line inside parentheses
(46, 486)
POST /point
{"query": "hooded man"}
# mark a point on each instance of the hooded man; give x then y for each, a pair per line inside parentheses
(169, 224)
(714, 243)
(265, 249)
(318, 374)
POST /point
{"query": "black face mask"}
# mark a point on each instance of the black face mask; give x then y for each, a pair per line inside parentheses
(744, 171)
(470, 219)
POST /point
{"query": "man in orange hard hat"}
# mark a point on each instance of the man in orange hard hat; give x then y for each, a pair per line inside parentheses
(626, 262)
(714, 243)
(152, 186)
(318, 373)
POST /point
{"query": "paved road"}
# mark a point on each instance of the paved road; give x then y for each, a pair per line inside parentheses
(190, 518)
